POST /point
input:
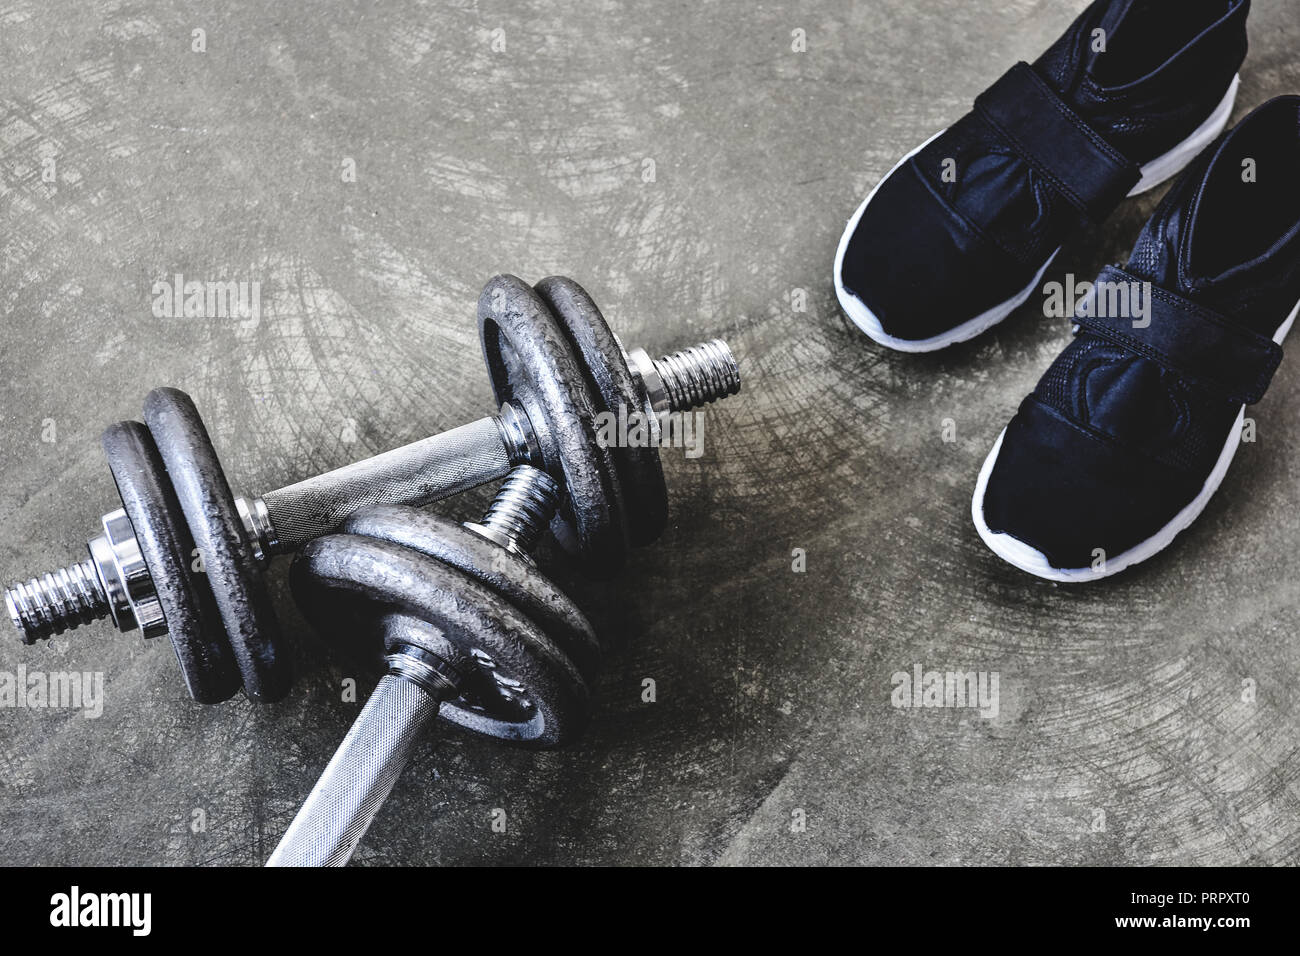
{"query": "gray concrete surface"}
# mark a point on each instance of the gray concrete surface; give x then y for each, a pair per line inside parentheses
(1127, 732)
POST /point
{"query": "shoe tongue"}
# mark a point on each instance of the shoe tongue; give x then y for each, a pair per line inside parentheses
(1111, 21)
(1166, 251)
(1078, 55)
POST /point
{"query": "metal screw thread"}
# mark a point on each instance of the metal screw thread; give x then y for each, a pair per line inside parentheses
(523, 507)
(699, 375)
(57, 602)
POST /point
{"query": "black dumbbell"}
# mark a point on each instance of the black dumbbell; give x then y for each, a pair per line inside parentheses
(470, 631)
(558, 371)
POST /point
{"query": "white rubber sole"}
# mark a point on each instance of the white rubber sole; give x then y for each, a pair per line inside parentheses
(1029, 559)
(1154, 173)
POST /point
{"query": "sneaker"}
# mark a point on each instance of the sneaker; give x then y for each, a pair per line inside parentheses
(1132, 429)
(960, 232)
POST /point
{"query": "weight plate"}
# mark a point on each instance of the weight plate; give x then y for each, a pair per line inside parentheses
(369, 595)
(234, 575)
(206, 661)
(529, 359)
(635, 452)
(514, 578)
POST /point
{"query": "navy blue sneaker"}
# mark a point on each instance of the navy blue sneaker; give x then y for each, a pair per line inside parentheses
(1128, 435)
(959, 234)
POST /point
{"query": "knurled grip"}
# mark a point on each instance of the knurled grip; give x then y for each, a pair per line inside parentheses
(416, 474)
(359, 777)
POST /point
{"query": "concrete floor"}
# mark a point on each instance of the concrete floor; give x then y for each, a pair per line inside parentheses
(1126, 731)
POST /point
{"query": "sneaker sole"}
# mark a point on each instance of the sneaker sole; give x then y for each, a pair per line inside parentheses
(1154, 173)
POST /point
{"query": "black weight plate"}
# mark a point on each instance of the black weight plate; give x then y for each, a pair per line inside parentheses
(206, 661)
(517, 580)
(529, 359)
(234, 575)
(640, 471)
(363, 593)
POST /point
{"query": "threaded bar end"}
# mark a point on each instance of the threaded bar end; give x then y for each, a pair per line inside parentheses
(523, 507)
(699, 375)
(57, 602)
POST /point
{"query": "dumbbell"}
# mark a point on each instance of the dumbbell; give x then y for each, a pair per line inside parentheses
(556, 367)
(470, 631)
